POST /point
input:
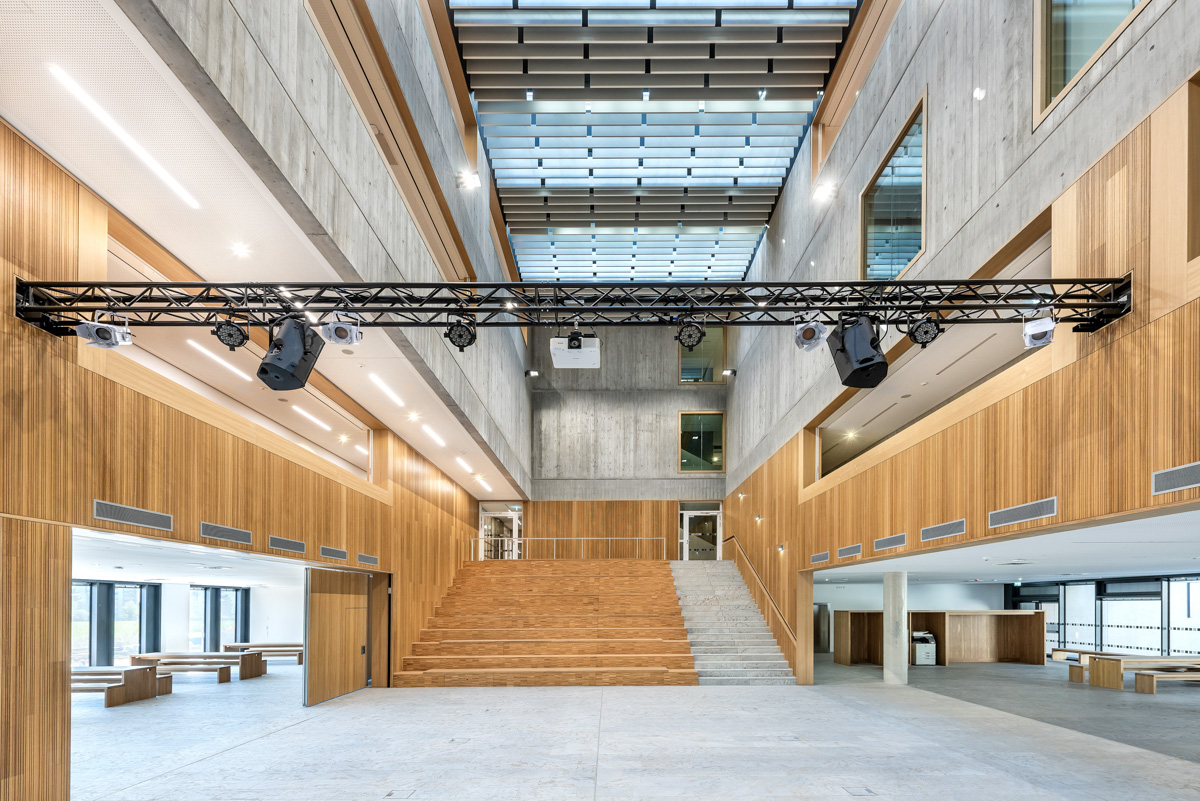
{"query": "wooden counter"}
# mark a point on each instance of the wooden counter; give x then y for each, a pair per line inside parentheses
(968, 635)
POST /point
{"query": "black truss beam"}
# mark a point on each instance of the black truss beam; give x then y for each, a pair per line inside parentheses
(1087, 304)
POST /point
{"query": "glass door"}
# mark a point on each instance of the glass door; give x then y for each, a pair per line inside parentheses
(700, 536)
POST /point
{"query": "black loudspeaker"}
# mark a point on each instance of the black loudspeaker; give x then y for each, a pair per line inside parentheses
(854, 344)
(293, 353)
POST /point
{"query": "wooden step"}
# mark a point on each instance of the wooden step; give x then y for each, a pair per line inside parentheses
(563, 585)
(552, 621)
(551, 646)
(677, 632)
(546, 677)
(673, 661)
(567, 567)
(583, 605)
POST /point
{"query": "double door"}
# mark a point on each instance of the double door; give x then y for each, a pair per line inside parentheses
(699, 536)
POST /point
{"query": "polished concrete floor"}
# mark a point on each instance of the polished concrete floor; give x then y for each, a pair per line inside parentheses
(253, 740)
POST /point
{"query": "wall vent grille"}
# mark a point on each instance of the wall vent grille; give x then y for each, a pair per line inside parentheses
(214, 532)
(284, 544)
(818, 558)
(950, 529)
(850, 550)
(131, 515)
(332, 553)
(1175, 479)
(894, 541)
(363, 559)
(1047, 507)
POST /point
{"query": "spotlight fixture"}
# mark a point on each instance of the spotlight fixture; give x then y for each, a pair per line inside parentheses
(856, 354)
(922, 332)
(343, 331)
(824, 193)
(531, 373)
(780, 548)
(294, 349)
(230, 334)
(690, 335)
(105, 335)
(1038, 332)
(729, 371)
(461, 334)
(468, 179)
(758, 518)
(810, 335)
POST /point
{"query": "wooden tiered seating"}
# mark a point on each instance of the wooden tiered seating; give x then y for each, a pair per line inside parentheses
(120, 685)
(545, 623)
(271, 650)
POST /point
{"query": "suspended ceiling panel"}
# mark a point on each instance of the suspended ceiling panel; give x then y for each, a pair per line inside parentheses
(643, 139)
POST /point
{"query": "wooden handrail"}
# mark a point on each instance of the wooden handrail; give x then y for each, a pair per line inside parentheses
(763, 587)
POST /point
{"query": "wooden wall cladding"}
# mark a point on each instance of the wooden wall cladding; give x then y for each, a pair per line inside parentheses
(584, 528)
(35, 651)
(1086, 421)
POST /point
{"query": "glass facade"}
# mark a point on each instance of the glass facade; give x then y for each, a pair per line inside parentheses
(127, 622)
(701, 442)
(81, 625)
(893, 207)
(1074, 31)
(197, 608)
(1080, 619)
(1183, 607)
(229, 609)
(704, 363)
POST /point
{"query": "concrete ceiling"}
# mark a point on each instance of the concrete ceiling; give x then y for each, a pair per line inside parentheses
(214, 214)
(635, 140)
(117, 557)
(1168, 544)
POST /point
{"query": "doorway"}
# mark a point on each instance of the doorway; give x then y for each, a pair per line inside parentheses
(500, 531)
(700, 531)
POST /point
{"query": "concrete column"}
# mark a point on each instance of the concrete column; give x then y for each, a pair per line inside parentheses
(895, 628)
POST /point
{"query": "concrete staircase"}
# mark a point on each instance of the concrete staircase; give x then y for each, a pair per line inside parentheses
(730, 641)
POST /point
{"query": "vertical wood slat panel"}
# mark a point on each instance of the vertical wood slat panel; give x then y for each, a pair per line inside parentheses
(583, 529)
(35, 673)
(336, 635)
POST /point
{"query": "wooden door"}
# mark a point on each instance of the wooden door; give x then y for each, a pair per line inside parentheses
(335, 642)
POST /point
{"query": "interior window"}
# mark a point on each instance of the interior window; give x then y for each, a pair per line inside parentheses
(1074, 30)
(701, 442)
(704, 364)
(893, 207)
(81, 625)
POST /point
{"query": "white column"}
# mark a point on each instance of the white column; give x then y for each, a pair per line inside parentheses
(895, 628)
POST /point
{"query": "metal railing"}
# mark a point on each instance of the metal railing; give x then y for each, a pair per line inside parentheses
(573, 548)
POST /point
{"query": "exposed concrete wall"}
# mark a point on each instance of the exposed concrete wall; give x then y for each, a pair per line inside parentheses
(262, 73)
(613, 433)
(988, 173)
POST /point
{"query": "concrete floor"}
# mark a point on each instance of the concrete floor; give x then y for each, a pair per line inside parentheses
(253, 740)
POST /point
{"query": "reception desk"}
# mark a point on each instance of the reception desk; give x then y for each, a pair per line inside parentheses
(970, 635)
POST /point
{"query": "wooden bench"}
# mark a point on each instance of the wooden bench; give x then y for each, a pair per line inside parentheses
(1077, 673)
(250, 664)
(1060, 654)
(1109, 671)
(1146, 681)
(120, 685)
(289, 650)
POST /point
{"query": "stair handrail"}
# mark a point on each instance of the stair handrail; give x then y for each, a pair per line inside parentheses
(774, 606)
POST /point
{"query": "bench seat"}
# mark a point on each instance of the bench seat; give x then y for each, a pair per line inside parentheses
(1146, 681)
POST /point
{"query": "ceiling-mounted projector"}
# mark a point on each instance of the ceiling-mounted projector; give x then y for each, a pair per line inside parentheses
(577, 351)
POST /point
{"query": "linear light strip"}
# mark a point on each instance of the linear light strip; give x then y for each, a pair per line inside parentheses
(311, 417)
(379, 382)
(228, 366)
(434, 436)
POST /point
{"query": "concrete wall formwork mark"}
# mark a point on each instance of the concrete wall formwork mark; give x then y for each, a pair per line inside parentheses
(988, 173)
(262, 73)
(613, 433)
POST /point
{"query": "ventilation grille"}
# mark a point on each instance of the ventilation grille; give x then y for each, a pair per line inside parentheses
(116, 513)
(1175, 479)
(817, 558)
(214, 532)
(944, 530)
(284, 544)
(1047, 507)
(363, 559)
(850, 550)
(894, 541)
(332, 553)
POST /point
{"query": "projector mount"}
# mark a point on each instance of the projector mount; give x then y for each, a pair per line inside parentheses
(1087, 304)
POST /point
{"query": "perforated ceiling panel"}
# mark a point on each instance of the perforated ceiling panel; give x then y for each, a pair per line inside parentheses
(642, 140)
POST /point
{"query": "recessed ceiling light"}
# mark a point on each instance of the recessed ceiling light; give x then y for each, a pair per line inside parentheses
(241, 250)
(414, 417)
(122, 135)
(434, 436)
(227, 365)
(342, 438)
(311, 417)
(379, 382)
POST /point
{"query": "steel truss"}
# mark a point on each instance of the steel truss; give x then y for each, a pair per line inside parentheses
(1086, 304)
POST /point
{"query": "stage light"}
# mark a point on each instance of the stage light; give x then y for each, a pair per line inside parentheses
(343, 332)
(1038, 332)
(461, 335)
(855, 347)
(294, 350)
(105, 335)
(230, 334)
(690, 335)
(810, 335)
(924, 331)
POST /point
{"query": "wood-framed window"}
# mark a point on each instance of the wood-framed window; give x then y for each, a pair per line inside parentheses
(1069, 36)
(892, 207)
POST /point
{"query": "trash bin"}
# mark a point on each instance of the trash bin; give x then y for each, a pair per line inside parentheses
(924, 648)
